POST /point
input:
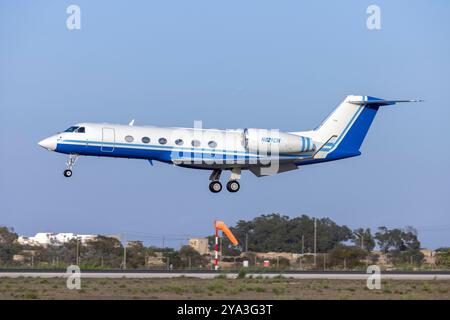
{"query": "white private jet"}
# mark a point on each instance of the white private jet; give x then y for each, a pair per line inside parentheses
(263, 152)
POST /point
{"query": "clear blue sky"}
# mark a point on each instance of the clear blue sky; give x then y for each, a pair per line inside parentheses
(231, 64)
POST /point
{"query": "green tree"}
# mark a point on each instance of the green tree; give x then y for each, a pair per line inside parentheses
(172, 258)
(8, 245)
(191, 257)
(137, 255)
(102, 252)
(350, 256)
(368, 241)
(443, 257)
(279, 233)
(184, 258)
(401, 245)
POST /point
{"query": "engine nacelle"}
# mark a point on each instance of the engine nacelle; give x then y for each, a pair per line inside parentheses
(271, 141)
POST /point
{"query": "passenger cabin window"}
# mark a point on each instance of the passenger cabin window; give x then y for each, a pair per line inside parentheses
(129, 138)
(162, 140)
(196, 143)
(179, 142)
(146, 140)
(71, 129)
(212, 144)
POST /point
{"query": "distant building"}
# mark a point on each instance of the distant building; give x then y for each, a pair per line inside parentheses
(29, 241)
(429, 256)
(274, 255)
(156, 261)
(200, 245)
(45, 239)
(24, 254)
(86, 237)
(18, 258)
(63, 237)
(135, 244)
(383, 259)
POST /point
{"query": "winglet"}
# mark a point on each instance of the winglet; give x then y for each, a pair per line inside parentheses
(131, 123)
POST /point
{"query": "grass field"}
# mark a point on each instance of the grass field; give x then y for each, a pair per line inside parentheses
(193, 288)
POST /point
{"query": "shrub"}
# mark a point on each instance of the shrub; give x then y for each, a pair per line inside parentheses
(242, 274)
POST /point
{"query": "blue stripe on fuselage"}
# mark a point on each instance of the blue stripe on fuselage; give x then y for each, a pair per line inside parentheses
(167, 155)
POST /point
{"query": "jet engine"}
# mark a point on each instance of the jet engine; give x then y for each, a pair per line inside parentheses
(274, 141)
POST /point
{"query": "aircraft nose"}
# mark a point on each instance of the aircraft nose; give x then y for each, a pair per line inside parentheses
(48, 143)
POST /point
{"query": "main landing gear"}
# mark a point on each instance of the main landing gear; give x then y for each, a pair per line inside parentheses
(232, 185)
(215, 186)
(70, 163)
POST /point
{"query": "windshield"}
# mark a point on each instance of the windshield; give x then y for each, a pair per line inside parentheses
(71, 129)
(76, 129)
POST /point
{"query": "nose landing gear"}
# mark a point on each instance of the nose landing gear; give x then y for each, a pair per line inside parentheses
(70, 163)
(67, 173)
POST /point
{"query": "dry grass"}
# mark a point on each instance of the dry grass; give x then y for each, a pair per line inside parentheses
(192, 288)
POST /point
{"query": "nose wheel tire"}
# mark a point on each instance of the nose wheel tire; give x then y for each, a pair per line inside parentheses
(233, 186)
(67, 173)
(215, 186)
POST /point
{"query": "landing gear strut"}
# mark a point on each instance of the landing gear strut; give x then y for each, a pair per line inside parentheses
(70, 163)
(215, 186)
(233, 185)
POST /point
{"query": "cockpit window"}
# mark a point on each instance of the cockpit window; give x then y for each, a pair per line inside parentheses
(76, 129)
(71, 129)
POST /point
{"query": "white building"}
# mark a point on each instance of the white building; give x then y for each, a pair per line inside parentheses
(86, 237)
(27, 241)
(44, 238)
(64, 237)
(56, 239)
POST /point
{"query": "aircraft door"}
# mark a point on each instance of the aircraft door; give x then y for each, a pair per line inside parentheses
(108, 139)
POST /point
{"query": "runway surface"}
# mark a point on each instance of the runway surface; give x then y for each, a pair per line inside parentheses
(139, 274)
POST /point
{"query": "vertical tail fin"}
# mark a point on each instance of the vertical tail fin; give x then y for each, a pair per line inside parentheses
(346, 127)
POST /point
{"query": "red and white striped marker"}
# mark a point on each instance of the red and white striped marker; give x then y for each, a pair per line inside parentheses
(216, 251)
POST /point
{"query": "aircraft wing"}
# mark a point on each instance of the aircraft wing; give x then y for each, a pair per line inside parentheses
(262, 171)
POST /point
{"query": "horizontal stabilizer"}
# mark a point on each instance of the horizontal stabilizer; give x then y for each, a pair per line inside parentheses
(378, 102)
